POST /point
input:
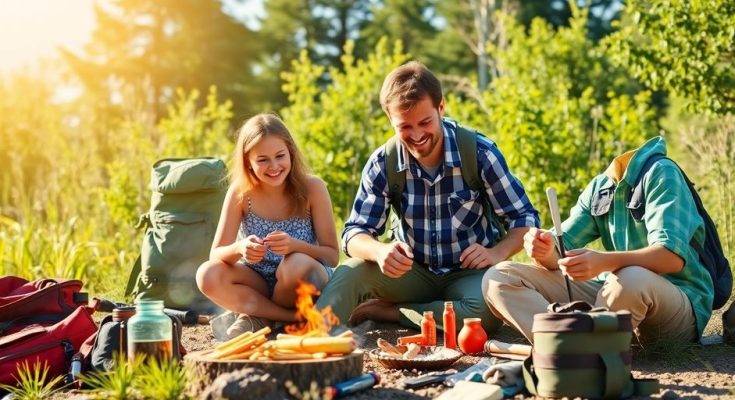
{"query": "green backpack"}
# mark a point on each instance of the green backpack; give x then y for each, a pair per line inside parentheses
(580, 351)
(467, 145)
(179, 228)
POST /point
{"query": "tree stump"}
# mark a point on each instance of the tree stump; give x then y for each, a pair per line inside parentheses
(302, 373)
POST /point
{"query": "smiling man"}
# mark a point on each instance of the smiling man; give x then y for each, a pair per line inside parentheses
(443, 241)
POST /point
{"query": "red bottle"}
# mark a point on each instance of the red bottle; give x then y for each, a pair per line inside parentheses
(450, 326)
(428, 328)
(472, 337)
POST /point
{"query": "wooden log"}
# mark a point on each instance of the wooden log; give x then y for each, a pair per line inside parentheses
(324, 372)
(507, 350)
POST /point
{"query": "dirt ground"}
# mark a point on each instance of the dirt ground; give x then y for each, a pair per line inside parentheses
(687, 372)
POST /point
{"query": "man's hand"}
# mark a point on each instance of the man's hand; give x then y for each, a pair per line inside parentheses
(252, 249)
(583, 264)
(539, 245)
(395, 259)
(477, 257)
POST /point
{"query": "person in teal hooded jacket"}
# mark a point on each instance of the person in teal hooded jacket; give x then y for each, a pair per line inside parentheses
(647, 267)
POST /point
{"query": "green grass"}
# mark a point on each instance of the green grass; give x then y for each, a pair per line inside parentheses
(667, 351)
(139, 379)
(33, 383)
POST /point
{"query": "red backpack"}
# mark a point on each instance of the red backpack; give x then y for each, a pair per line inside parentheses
(43, 321)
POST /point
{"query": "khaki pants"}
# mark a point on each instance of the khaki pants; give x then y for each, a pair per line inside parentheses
(515, 292)
(416, 291)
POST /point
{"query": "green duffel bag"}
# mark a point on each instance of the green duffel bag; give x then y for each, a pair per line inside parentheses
(579, 351)
(179, 228)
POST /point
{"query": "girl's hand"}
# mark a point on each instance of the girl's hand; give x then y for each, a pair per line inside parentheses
(253, 249)
(280, 243)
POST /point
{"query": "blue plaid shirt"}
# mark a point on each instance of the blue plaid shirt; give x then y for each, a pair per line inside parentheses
(442, 215)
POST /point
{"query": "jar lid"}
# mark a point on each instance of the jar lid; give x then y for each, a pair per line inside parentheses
(122, 313)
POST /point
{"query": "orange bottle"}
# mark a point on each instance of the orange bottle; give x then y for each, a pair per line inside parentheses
(405, 340)
(450, 326)
(428, 328)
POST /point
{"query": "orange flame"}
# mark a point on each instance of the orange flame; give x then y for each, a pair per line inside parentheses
(314, 322)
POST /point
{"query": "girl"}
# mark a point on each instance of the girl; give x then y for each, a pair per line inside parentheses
(276, 228)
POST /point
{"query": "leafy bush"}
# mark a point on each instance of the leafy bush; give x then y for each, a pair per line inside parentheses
(558, 111)
(684, 47)
(338, 126)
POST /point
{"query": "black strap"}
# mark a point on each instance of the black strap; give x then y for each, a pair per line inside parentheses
(637, 197)
(396, 179)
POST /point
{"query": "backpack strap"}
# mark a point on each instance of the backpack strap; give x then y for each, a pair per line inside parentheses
(396, 180)
(637, 197)
(467, 145)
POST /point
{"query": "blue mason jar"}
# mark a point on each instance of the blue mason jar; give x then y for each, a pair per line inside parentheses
(150, 332)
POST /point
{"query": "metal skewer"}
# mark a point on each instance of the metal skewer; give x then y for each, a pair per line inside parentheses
(555, 217)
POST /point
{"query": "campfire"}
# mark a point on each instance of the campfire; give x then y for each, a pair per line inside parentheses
(315, 322)
(308, 339)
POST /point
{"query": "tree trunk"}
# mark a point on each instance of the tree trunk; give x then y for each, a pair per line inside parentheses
(324, 372)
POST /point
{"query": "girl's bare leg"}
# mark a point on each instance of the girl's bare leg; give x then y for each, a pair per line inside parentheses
(240, 289)
(297, 267)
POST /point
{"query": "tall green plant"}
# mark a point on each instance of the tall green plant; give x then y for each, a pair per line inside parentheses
(139, 378)
(686, 47)
(33, 382)
(74, 177)
(711, 150)
(191, 130)
(337, 127)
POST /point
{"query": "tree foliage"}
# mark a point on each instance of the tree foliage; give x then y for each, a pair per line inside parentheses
(338, 127)
(686, 47)
(155, 47)
(558, 111)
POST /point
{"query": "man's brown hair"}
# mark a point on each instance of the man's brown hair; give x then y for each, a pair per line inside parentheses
(407, 85)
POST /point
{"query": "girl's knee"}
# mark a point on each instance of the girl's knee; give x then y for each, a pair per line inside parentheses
(207, 276)
(297, 266)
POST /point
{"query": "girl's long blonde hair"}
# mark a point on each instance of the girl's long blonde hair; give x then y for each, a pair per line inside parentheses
(242, 177)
